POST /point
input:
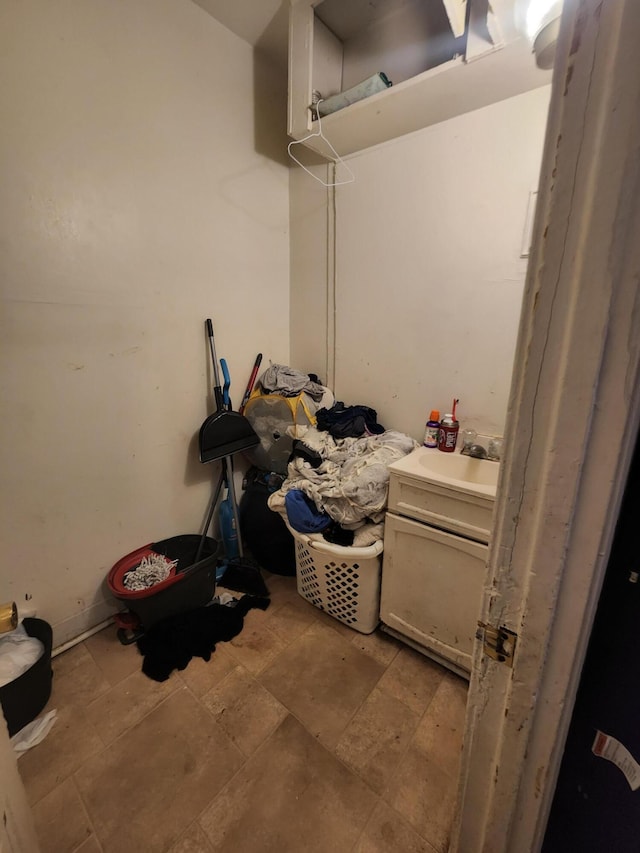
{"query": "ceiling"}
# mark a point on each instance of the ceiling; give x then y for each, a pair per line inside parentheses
(262, 23)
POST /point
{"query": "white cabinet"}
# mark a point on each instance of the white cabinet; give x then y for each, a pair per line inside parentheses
(435, 552)
(439, 67)
(431, 589)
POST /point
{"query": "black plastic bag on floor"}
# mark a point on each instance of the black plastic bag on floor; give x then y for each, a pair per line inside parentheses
(264, 532)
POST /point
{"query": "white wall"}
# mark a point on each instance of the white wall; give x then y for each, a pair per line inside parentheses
(310, 264)
(429, 276)
(141, 193)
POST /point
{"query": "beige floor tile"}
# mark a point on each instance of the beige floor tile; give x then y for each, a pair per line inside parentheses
(289, 621)
(145, 789)
(256, 645)
(412, 678)
(69, 661)
(291, 795)
(115, 660)
(91, 845)
(328, 621)
(61, 820)
(71, 741)
(441, 730)
(387, 832)
(323, 680)
(376, 738)
(77, 679)
(425, 796)
(127, 703)
(201, 675)
(286, 591)
(193, 840)
(393, 717)
(246, 711)
(379, 645)
(283, 588)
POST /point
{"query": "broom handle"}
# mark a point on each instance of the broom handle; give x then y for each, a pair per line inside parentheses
(251, 382)
(217, 391)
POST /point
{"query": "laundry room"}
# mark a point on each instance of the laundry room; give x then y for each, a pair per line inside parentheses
(252, 253)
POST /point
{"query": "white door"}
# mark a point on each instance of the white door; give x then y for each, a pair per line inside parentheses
(573, 417)
(17, 834)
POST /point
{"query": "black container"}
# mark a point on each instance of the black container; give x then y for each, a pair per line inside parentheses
(192, 586)
(24, 697)
(263, 531)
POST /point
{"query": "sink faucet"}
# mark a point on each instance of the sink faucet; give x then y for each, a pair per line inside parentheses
(492, 449)
(495, 449)
(477, 451)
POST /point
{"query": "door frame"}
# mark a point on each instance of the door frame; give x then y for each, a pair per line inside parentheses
(572, 422)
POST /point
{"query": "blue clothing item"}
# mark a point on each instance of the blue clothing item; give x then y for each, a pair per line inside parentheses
(304, 516)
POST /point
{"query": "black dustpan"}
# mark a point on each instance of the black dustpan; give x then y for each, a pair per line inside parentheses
(224, 432)
(243, 575)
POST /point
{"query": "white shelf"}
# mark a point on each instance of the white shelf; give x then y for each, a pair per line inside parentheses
(455, 87)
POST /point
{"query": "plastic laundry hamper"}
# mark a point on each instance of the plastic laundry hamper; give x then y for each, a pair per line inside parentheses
(344, 582)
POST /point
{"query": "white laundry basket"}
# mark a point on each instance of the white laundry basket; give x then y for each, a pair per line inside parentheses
(344, 582)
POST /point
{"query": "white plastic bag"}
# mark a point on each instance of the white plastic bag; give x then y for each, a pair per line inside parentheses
(33, 732)
(18, 652)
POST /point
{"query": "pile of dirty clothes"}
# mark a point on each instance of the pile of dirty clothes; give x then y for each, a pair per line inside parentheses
(338, 478)
(285, 380)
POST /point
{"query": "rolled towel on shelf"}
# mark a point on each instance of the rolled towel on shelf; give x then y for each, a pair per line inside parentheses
(371, 86)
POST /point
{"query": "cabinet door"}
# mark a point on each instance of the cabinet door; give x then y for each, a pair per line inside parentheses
(431, 588)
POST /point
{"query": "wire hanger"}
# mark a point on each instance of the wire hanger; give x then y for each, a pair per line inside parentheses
(337, 158)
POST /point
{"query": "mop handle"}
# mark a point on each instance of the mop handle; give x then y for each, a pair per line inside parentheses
(228, 464)
(207, 524)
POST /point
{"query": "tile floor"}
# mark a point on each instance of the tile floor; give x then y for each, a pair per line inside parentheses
(299, 735)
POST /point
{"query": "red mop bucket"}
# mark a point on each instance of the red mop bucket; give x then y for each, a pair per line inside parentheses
(189, 585)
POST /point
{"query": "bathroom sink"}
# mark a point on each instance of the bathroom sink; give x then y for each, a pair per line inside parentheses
(452, 470)
(446, 490)
(461, 471)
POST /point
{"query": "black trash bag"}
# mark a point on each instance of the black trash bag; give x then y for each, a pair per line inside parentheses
(263, 531)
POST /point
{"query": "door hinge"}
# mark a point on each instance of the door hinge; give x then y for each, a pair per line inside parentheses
(498, 643)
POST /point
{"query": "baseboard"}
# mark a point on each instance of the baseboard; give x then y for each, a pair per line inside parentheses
(72, 627)
(463, 673)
